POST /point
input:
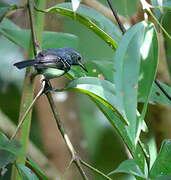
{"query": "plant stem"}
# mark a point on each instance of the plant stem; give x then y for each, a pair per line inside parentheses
(95, 170)
(27, 111)
(121, 26)
(60, 126)
(36, 46)
(28, 90)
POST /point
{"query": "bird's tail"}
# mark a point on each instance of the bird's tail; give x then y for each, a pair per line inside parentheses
(23, 64)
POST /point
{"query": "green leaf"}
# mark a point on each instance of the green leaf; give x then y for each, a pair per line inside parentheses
(84, 17)
(148, 68)
(138, 151)
(163, 178)
(36, 168)
(51, 39)
(102, 90)
(126, 8)
(4, 8)
(162, 165)
(5, 156)
(127, 65)
(26, 173)
(157, 96)
(130, 167)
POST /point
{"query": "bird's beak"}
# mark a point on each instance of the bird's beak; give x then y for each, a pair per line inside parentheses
(83, 66)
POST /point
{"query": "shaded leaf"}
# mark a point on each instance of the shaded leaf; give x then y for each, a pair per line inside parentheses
(130, 167)
(51, 39)
(126, 8)
(4, 8)
(36, 168)
(102, 90)
(5, 156)
(162, 165)
(26, 173)
(157, 96)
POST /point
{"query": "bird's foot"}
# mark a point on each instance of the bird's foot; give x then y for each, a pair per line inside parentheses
(48, 87)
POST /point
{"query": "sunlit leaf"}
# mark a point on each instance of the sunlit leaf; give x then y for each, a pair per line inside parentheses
(149, 61)
(162, 165)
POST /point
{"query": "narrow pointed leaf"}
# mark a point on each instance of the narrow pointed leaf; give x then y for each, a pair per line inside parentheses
(127, 65)
(162, 165)
(66, 10)
(102, 90)
(149, 62)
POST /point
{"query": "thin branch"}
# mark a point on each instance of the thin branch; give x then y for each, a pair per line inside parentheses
(28, 110)
(60, 126)
(36, 46)
(102, 9)
(95, 170)
(122, 28)
(163, 90)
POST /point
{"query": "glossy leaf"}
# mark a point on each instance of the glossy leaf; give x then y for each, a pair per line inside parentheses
(85, 17)
(127, 65)
(26, 173)
(149, 62)
(51, 39)
(102, 90)
(129, 167)
(75, 4)
(162, 165)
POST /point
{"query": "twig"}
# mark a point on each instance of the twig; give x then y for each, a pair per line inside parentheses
(122, 28)
(102, 9)
(28, 110)
(36, 46)
(95, 170)
(163, 90)
(123, 31)
(74, 156)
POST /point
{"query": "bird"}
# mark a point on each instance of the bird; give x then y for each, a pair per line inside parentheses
(54, 62)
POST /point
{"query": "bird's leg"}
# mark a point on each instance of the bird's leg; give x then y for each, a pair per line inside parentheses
(48, 87)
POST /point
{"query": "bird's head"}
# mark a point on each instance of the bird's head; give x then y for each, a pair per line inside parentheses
(77, 59)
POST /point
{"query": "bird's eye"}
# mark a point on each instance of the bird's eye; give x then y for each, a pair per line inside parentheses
(79, 58)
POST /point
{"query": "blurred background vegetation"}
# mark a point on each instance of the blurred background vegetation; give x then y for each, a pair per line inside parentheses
(93, 137)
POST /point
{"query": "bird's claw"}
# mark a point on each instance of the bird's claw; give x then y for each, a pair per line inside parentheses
(47, 87)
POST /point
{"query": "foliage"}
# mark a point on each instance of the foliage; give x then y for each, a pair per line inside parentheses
(127, 81)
